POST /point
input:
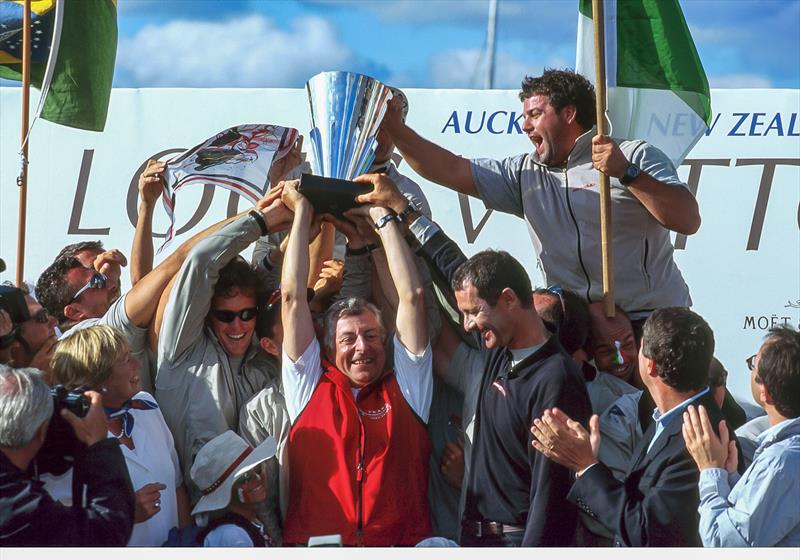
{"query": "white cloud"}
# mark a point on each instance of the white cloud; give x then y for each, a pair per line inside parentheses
(466, 68)
(739, 81)
(246, 52)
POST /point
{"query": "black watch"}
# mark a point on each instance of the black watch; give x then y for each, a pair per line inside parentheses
(631, 174)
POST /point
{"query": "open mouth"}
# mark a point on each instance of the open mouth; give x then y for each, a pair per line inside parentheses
(363, 361)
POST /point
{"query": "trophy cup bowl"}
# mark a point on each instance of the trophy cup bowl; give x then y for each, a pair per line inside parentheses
(346, 112)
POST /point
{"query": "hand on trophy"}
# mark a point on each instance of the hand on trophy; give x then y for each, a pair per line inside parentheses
(291, 197)
(283, 166)
(393, 119)
(384, 194)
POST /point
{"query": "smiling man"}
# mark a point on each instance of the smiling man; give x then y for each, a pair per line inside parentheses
(555, 189)
(361, 422)
(209, 362)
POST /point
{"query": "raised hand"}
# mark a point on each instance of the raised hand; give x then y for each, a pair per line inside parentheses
(283, 166)
(151, 181)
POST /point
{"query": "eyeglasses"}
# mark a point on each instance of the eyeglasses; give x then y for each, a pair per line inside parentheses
(273, 299)
(41, 316)
(244, 478)
(98, 280)
(228, 316)
(751, 362)
(556, 289)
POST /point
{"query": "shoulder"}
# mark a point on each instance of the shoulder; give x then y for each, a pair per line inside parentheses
(228, 535)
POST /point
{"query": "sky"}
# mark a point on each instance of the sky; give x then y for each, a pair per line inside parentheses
(419, 44)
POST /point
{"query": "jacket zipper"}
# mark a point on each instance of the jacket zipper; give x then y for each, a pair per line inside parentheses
(578, 230)
(360, 478)
(644, 263)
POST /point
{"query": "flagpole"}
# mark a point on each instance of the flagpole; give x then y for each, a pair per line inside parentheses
(605, 186)
(22, 180)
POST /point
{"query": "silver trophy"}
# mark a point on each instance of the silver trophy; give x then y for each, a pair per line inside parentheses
(346, 113)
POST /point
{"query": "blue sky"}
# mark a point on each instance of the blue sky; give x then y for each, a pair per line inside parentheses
(411, 43)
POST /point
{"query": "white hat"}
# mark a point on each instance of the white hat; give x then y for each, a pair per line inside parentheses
(220, 462)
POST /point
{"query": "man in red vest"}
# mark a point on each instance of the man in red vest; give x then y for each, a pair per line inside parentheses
(358, 447)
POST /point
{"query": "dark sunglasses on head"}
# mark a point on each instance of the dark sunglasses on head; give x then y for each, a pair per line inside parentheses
(227, 316)
(98, 280)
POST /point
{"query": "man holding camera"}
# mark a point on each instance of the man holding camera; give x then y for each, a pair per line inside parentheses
(103, 500)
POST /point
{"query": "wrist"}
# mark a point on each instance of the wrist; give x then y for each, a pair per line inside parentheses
(261, 220)
(397, 205)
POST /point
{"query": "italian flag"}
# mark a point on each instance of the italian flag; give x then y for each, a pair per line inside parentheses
(656, 86)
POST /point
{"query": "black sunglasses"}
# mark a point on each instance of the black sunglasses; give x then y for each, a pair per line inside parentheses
(227, 316)
(98, 280)
(751, 362)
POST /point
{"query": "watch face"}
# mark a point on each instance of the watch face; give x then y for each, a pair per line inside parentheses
(630, 174)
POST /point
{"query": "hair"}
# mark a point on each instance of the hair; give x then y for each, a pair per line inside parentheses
(717, 374)
(348, 308)
(681, 344)
(53, 290)
(25, 404)
(491, 272)
(239, 276)
(779, 369)
(267, 318)
(564, 87)
(76, 248)
(87, 356)
(570, 318)
(590, 344)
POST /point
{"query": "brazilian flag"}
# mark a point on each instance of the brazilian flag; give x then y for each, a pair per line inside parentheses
(73, 49)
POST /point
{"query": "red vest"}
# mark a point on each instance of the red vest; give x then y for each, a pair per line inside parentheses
(358, 468)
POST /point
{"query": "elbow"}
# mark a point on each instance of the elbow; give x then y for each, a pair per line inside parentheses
(689, 224)
(415, 296)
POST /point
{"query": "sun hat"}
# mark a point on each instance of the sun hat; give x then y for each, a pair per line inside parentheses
(220, 462)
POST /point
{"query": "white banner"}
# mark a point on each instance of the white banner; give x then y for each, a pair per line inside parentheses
(743, 266)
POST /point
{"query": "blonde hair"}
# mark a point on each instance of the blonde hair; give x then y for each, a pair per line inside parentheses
(87, 356)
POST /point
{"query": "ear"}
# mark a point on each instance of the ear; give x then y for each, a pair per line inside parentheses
(73, 312)
(509, 298)
(569, 113)
(580, 356)
(650, 368)
(268, 345)
(766, 397)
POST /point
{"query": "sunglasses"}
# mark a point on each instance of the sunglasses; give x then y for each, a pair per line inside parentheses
(98, 281)
(751, 362)
(41, 316)
(227, 316)
(556, 289)
(253, 473)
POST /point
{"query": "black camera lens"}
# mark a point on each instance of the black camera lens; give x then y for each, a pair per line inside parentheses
(75, 401)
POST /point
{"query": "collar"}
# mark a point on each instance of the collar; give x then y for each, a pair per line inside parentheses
(669, 415)
(781, 430)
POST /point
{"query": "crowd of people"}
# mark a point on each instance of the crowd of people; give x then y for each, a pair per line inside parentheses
(361, 382)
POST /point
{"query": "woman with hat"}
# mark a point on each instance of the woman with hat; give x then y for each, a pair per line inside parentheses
(231, 477)
(99, 358)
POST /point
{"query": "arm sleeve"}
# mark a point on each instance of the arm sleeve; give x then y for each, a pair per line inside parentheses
(499, 183)
(656, 164)
(357, 280)
(765, 509)
(117, 317)
(300, 378)
(415, 377)
(190, 298)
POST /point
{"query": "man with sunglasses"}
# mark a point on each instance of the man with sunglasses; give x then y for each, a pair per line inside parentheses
(33, 337)
(209, 362)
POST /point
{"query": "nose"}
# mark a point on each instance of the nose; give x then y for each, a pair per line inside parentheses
(361, 343)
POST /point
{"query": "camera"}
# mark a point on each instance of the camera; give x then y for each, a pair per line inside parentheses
(60, 447)
(75, 401)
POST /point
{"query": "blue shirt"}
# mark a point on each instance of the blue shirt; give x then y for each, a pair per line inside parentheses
(763, 508)
(664, 420)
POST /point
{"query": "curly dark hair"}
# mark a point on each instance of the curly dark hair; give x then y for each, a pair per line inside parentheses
(75, 248)
(681, 344)
(239, 276)
(53, 290)
(779, 369)
(491, 272)
(564, 87)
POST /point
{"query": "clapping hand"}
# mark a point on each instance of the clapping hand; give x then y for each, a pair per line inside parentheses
(565, 441)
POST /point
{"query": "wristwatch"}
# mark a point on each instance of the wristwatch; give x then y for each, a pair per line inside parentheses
(409, 214)
(631, 173)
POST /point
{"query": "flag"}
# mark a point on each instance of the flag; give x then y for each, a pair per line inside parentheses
(238, 159)
(74, 46)
(657, 89)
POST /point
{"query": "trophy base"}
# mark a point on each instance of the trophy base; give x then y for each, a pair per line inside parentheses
(331, 196)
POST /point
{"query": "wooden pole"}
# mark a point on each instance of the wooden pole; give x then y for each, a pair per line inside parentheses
(22, 180)
(605, 186)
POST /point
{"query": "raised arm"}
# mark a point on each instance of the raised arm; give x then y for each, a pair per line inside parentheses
(426, 158)
(298, 327)
(151, 183)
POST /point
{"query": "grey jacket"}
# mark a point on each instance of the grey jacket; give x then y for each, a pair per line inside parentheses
(198, 392)
(562, 208)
